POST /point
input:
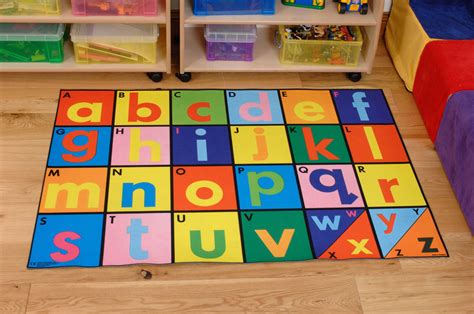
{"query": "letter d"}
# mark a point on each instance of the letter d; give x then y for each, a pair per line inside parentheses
(263, 106)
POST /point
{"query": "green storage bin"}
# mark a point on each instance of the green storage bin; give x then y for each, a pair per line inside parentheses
(31, 42)
(29, 7)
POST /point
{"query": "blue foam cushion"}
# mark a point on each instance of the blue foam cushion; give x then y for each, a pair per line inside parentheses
(446, 19)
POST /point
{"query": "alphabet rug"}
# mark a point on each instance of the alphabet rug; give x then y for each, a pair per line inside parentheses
(171, 176)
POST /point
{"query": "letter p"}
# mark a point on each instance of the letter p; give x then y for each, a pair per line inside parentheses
(256, 189)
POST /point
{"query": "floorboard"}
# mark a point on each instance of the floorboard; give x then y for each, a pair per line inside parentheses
(28, 103)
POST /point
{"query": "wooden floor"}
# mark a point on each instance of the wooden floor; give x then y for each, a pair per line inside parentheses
(28, 102)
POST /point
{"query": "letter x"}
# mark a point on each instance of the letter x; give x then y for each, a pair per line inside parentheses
(359, 246)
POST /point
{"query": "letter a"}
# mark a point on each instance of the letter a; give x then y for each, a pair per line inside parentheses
(94, 111)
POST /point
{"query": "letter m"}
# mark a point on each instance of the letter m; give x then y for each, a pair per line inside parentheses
(72, 192)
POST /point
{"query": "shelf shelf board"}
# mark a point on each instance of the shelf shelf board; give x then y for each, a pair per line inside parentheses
(69, 65)
(66, 16)
(285, 15)
(266, 57)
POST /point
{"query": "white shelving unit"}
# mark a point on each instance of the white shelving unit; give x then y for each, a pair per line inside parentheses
(162, 65)
(266, 55)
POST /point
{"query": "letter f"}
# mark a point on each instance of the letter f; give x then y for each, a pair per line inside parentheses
(361, 105)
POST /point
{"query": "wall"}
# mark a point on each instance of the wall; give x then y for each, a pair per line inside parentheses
(388, 3)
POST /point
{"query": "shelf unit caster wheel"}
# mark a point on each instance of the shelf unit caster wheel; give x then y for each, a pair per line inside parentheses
(184, 77)
(354, 76)
(155, 76)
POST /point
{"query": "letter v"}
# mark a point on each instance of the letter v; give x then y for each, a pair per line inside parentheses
(277, 249)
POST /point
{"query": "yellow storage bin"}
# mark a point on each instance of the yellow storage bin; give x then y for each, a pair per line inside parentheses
(115, 43)
(320, 52)
(29, 7)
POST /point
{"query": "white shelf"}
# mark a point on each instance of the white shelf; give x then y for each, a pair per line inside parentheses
(266, 57)
(69, 65)
(285, 15)
(66, 16)
(163, 63)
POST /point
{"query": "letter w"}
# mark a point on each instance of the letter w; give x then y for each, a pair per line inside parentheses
(322, 225)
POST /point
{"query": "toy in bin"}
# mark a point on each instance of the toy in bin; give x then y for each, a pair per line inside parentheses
(115, 43)
(361, 6)
(311, 4)
(31, 42)
(29, 7)
(230, 42)
(114, 7)
(317, 44)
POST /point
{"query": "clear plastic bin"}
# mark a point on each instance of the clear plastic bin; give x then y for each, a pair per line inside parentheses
(320, 52)
(233, 7)
(114, 7)
(31, 42)
(230, 42)
(115, 43)
(310, 4)
(29, 7)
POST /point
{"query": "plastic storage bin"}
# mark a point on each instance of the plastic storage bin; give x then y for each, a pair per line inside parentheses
(31, 42)
(29, 7)
(233, 7)
(320, 52)
(311, 4)
(115, 43)
(230, 42)
(114, 7)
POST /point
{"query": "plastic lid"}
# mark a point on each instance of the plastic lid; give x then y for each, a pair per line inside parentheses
(231, 33)
(123, 33)
(31, 32)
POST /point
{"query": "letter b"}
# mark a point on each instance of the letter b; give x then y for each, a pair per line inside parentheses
(144, 112)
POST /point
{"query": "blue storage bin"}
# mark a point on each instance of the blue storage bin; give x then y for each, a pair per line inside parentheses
(233, 7)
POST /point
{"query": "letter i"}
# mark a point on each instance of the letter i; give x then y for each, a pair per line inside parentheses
(201, 145)
(262, 149)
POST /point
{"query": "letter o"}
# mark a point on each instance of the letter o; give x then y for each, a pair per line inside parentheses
(193, 188)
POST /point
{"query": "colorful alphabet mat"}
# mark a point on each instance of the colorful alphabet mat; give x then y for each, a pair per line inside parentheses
(171, 176)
